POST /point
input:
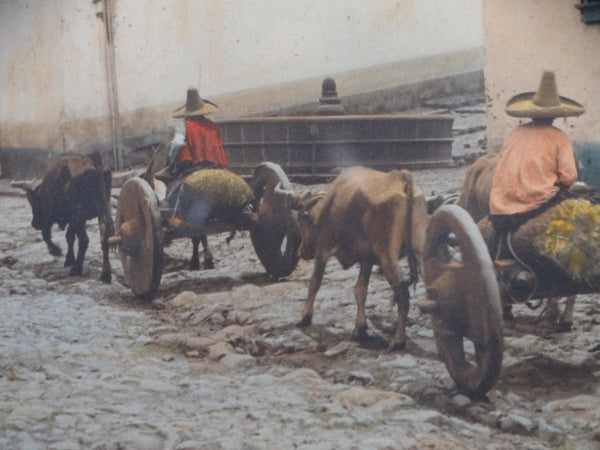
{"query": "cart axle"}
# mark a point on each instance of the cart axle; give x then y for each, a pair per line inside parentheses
(129, 237)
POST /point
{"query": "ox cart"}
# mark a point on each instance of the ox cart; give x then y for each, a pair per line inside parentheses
(143, 226)
(465, 289)
(553, 255)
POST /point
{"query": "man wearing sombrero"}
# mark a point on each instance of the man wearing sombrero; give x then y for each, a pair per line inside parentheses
(537, 163)
(203, 144)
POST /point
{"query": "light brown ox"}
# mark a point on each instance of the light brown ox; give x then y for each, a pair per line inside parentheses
(366, 217)
(474, 198)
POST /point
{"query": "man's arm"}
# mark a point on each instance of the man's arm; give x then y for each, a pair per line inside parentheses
(567, 167)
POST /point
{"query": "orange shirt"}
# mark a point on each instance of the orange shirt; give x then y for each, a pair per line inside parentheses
(532, 163)
(203, 143)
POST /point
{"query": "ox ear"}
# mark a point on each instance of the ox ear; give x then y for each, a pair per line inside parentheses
(306, 201)
(310, 200)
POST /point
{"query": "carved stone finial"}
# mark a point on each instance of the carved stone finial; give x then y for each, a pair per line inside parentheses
(329, 103)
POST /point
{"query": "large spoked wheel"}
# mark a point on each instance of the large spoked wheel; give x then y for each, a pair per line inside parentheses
(140, 237)
(275, 236)
(464, 300)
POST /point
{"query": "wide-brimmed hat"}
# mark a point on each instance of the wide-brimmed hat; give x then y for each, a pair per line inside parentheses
(545, 103)
(194, 105)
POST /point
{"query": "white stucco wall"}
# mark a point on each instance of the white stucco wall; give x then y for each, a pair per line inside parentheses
(525, 37)
(52, 62)
(53, 72)
(232, 45)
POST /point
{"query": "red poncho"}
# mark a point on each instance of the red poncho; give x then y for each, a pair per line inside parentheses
(203, 143)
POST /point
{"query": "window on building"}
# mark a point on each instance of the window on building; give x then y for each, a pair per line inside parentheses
(590, 11)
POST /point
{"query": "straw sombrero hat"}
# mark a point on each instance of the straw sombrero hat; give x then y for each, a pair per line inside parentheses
(194, 105)
(545, 103)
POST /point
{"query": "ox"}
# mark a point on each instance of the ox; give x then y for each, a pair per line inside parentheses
(75, 190)
(369, 217)
(475, 193)
(474, 198)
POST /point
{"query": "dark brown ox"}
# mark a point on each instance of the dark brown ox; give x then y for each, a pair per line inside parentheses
(75, 190)
(475, 193)
(474, 198)
(366, 217)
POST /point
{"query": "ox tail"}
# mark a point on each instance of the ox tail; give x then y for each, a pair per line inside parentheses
(104, 175)
(409, 190)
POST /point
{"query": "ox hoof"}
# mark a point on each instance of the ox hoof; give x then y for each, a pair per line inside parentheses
(194, 265)
(564, 327)
(69, 262)
(209, 264)
(75, 272)
(55, 251)
(168, 237)
(304, 322)
(105, 277)
(396, 345)
(360, 334)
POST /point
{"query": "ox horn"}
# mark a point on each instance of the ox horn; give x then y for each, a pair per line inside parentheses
(27, 186)
(290, 198)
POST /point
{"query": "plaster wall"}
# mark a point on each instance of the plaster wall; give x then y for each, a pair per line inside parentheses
(525, 37)
(250, 57)
(230, 46)
(52, 71)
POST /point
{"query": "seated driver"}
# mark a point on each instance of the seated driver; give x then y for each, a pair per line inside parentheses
(203, 143)
(202, 146)
(536, 165)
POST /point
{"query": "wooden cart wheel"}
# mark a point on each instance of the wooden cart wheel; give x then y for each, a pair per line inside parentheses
(276, 236)
(140, 235)
(463, 297)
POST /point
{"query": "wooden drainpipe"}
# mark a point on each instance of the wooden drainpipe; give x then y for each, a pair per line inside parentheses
(106, 14)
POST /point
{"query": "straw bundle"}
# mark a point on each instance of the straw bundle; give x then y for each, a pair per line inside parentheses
(572, 238)
(212, 194)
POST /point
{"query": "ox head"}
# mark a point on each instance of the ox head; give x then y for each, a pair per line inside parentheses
(38, 209)
(304, 203)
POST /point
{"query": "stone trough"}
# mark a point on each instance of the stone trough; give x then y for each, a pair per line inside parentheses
(318, 146)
